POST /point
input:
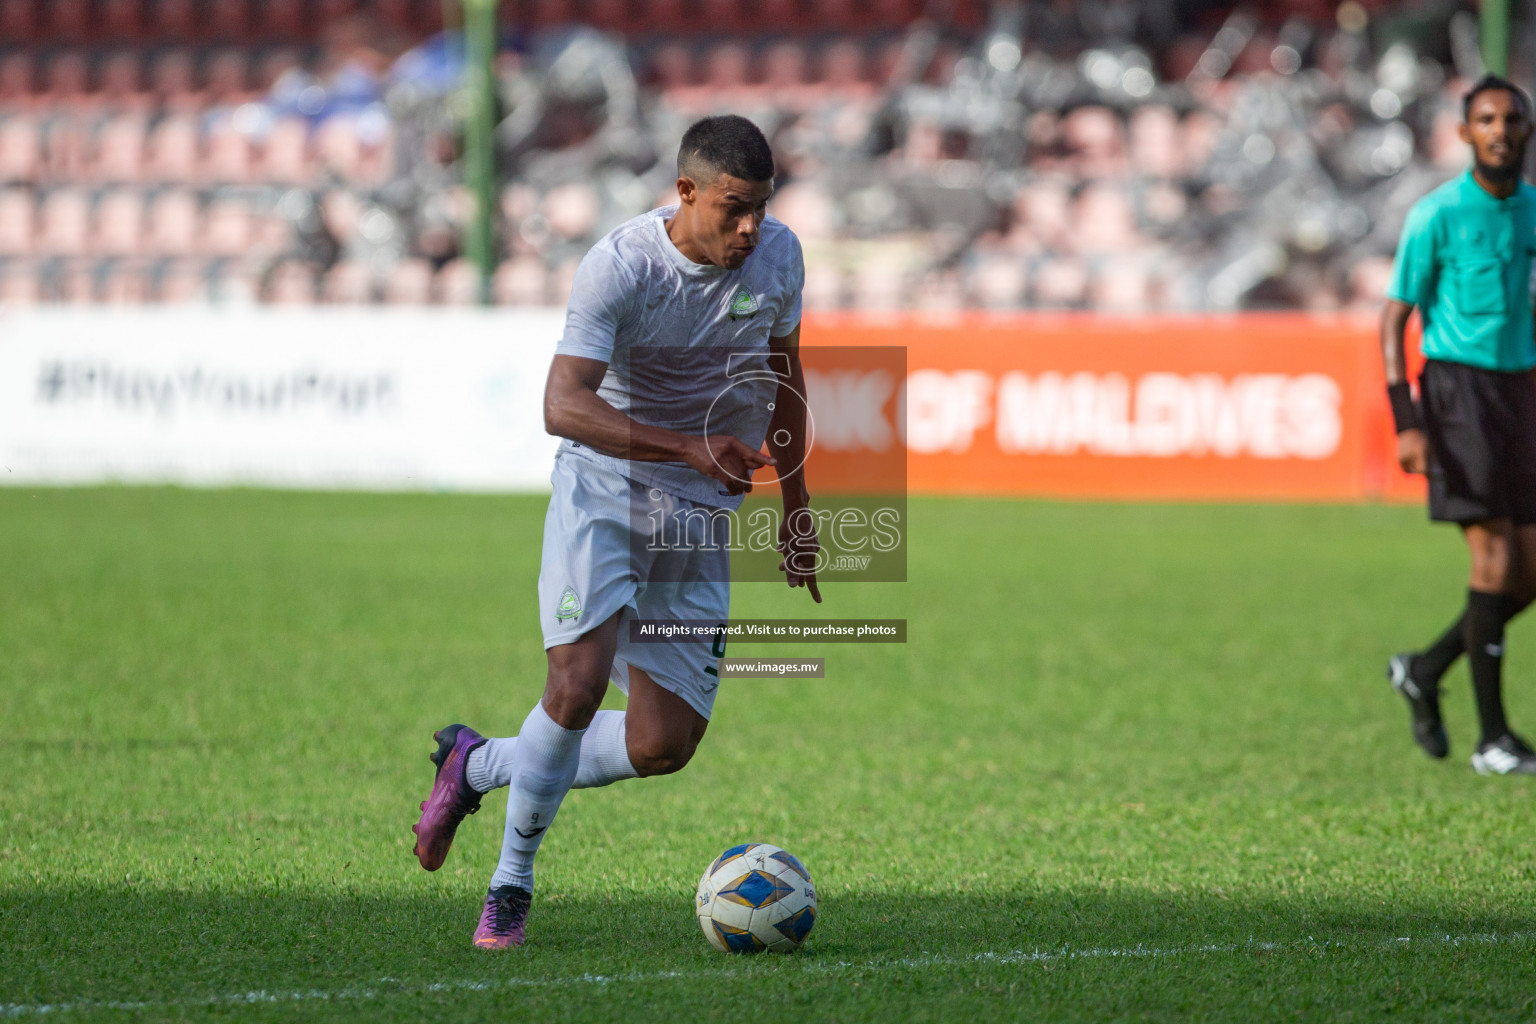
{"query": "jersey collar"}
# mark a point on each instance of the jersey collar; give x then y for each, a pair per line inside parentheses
(1470, 188)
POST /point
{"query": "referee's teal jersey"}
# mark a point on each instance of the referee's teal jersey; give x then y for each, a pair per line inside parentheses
(1465, 261)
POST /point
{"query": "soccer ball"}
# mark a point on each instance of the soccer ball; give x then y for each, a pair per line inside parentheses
(755, 897)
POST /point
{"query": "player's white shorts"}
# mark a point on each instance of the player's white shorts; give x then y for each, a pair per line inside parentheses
(595, 564)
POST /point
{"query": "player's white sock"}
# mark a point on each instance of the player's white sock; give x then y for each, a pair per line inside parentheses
(604, 752)
(489, 766)
(544, 764)
(604, 757)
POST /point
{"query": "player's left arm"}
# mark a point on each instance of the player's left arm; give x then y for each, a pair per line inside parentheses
(786, 443)
(787, 435)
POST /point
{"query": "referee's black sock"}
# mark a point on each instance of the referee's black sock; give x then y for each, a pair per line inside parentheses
(1434, 661)
(1485, 618)
(1514, 606)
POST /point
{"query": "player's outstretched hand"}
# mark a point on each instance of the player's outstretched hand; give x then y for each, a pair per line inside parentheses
(799, 546)
(1413, 451)
(728, 460)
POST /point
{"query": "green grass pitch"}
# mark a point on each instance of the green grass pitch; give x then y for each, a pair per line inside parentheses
(1137, 762)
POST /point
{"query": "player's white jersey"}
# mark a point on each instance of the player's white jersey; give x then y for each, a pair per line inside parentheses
(685, 343)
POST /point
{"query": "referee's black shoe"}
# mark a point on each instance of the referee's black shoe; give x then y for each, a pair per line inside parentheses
(1428, 730)
(1507, 755)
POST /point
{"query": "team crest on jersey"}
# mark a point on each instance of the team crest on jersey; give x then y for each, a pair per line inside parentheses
(569, 606)
(743, 305)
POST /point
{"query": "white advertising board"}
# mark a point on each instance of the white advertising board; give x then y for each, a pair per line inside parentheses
(395, 399)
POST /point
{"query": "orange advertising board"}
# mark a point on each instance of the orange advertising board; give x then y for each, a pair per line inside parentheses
(1255, 406)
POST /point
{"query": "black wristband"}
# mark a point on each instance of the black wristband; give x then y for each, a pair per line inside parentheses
(1405, 415)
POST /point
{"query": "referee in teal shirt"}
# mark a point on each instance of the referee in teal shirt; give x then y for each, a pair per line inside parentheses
(1465, 262)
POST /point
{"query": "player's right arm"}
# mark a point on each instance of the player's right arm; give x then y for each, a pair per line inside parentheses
(1413, 279)
(605, 297)
(573, 409)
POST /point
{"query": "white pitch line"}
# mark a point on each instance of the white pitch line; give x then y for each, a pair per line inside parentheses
(386, 987)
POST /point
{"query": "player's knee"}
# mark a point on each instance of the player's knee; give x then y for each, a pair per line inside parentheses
(660, 756)
(572, 695)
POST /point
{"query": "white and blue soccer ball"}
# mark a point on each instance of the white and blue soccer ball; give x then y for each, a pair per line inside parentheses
(755, 897)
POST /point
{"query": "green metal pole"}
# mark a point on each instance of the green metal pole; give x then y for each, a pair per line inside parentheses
(479, 137)
(1493, 25)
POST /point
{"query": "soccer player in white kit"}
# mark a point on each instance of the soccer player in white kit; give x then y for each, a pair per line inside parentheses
(680, 359)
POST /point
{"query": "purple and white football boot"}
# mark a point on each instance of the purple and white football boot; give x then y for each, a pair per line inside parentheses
(452, 795)
(502, 920)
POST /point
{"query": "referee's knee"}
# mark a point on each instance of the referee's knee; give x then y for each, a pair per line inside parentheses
(1491, 562)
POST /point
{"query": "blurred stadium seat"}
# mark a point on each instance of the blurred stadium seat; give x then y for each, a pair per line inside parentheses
(20, 283)
(64, 222)
(824, 287)
(228, 227)
(409, 283)
(119, 222)
(291, 283)
(348, 283)
(521, 282)
(457, 284)
(122, 79)
(173, 223)
(20, 148)
(309, 148)
(1000, 282)
(17, 218)
(228, 20)
(179, 281)
(1060, 282)
(124, 283)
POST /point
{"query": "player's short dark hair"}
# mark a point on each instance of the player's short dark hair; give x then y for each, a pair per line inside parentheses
(727, 144)
(1490, 83)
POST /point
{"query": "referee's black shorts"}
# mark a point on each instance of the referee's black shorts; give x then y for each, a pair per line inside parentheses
(1481, 426)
